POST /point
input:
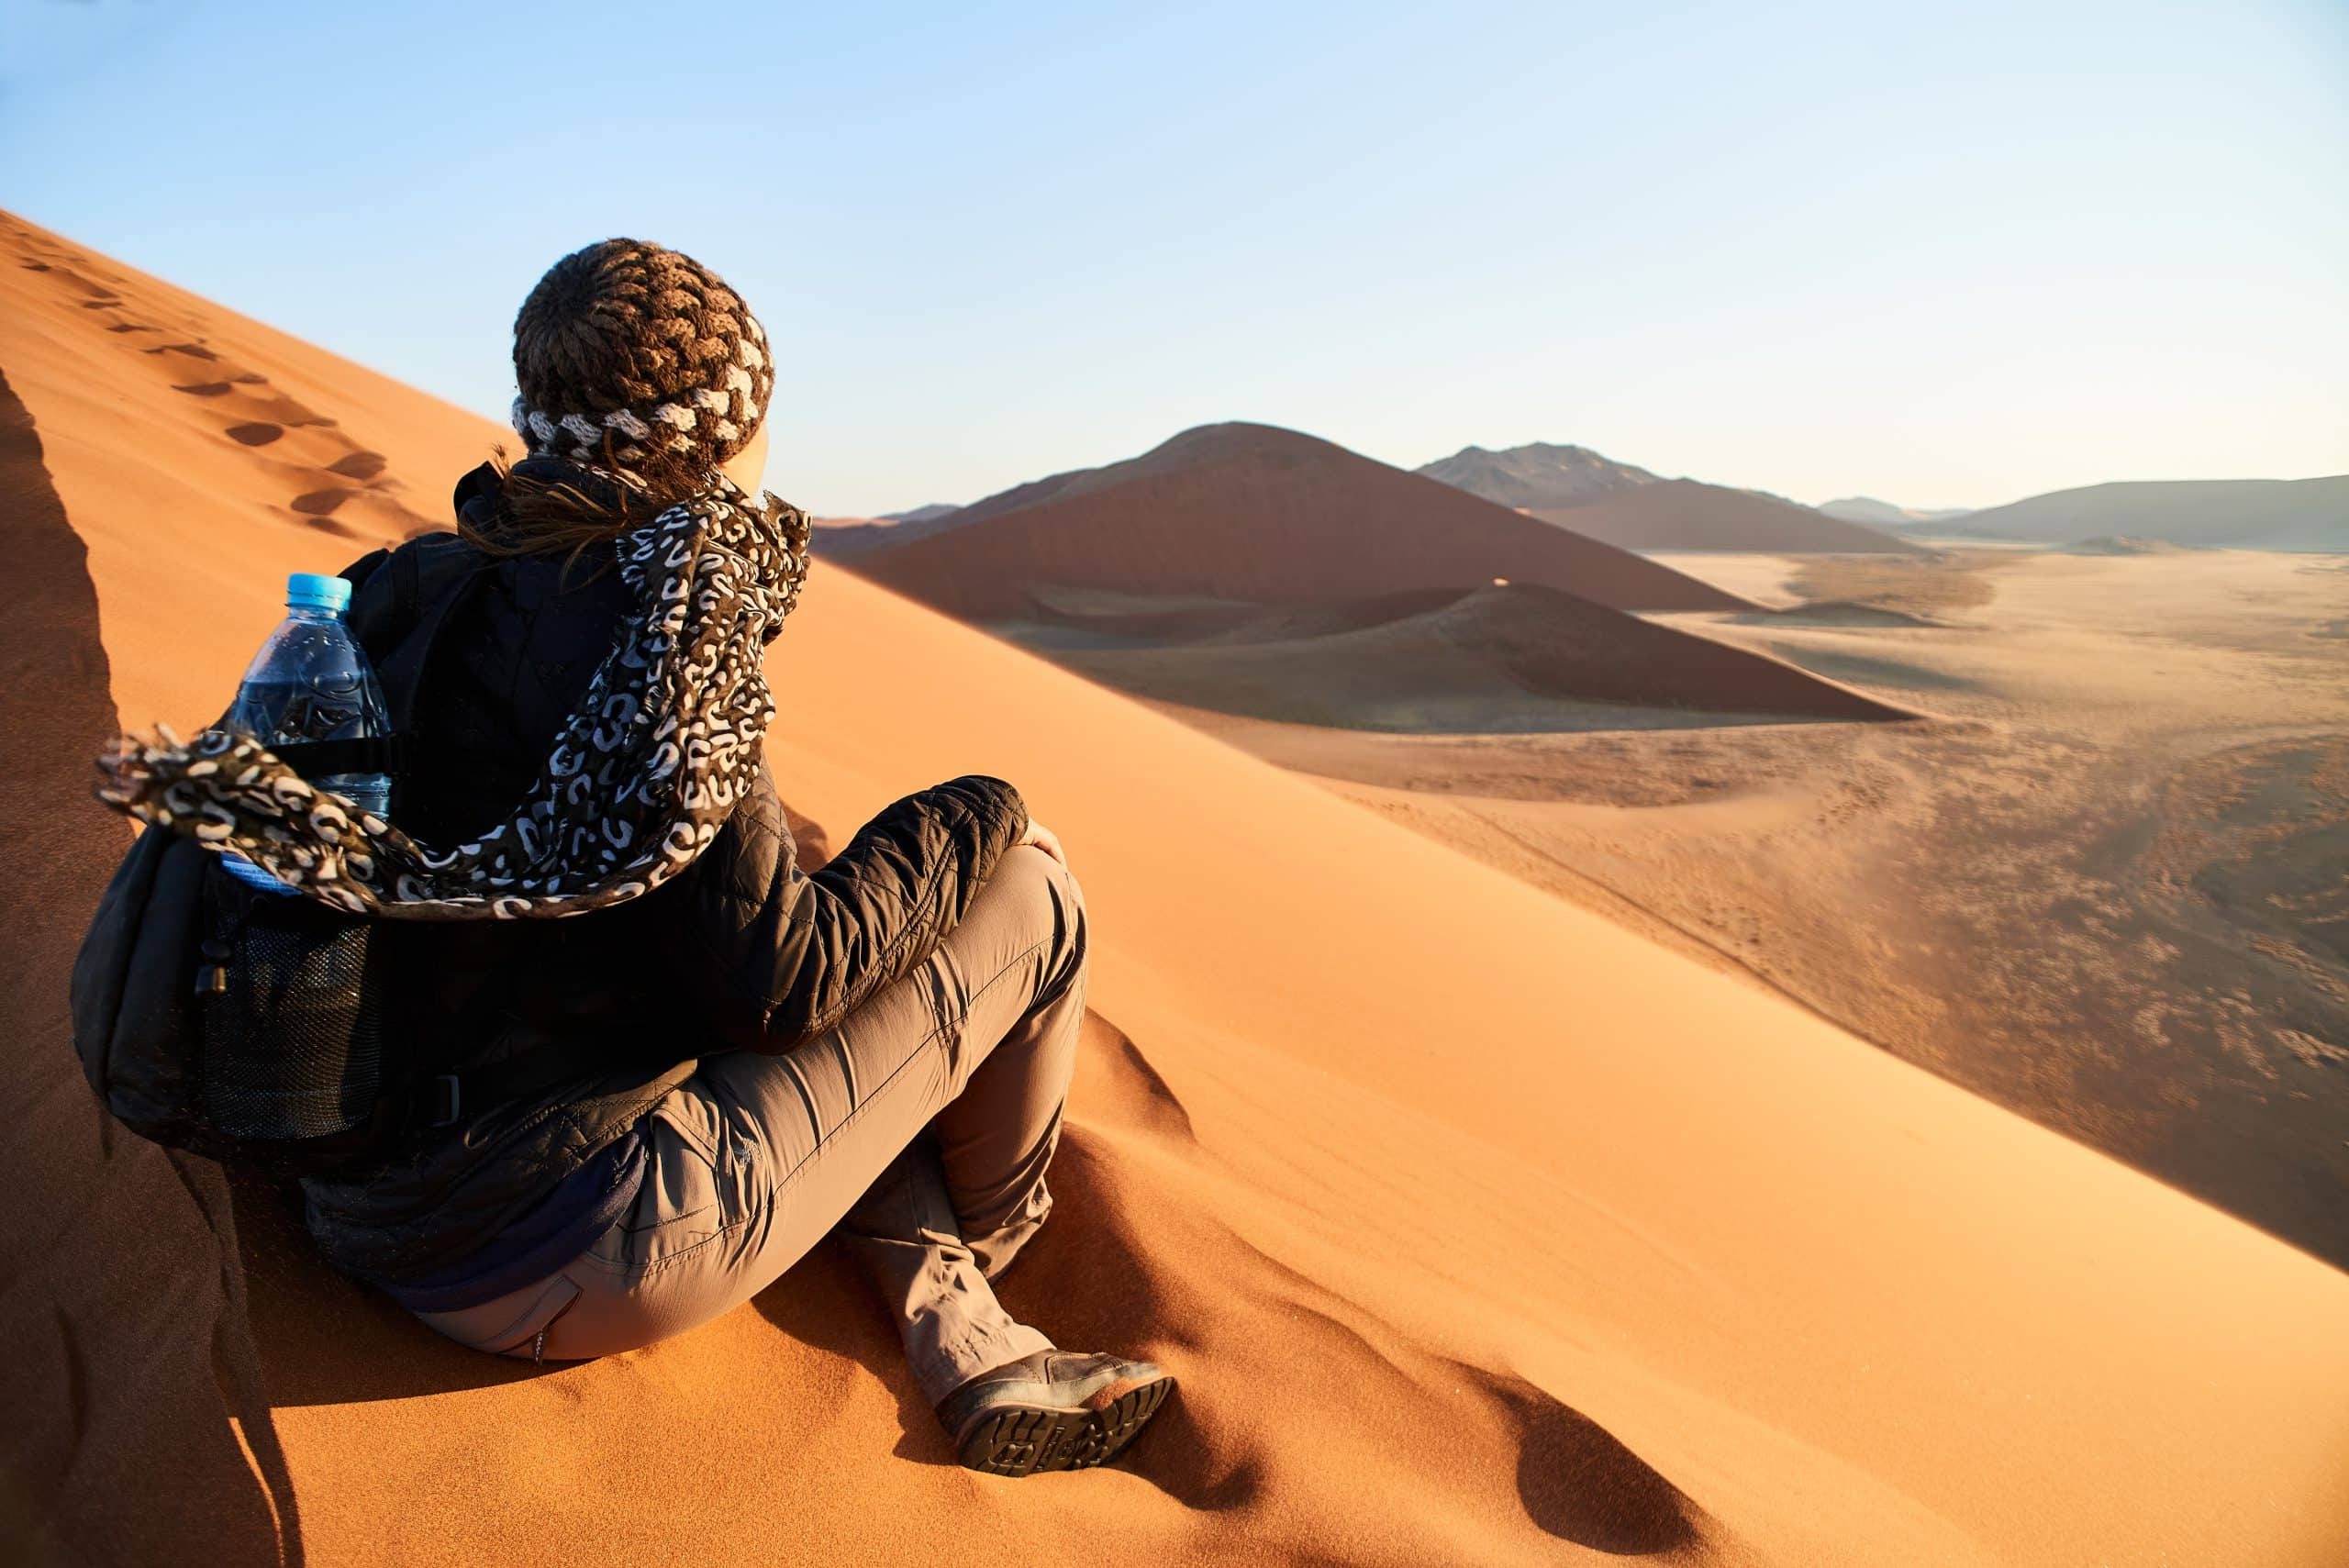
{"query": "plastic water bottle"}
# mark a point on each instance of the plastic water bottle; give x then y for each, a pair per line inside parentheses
(311, 682)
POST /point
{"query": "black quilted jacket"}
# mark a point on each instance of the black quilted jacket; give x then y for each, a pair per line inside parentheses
(742, 951)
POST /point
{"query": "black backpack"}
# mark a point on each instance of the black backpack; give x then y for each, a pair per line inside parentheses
(259, 1029)
(236, 1024)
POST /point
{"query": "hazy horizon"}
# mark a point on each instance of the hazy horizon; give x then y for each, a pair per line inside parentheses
(1821, 252)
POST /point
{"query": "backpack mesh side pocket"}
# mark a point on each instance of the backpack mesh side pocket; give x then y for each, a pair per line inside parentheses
(294, 1031)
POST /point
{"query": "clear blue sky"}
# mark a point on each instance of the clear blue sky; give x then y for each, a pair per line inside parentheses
(1951, 256)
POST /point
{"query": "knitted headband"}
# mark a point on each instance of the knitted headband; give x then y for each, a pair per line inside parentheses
(627, 351)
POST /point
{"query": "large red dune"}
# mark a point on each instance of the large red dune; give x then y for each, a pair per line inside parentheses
(1479, 1230)
(1242, 511)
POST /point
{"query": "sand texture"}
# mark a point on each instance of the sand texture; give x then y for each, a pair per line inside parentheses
(1479, 1228)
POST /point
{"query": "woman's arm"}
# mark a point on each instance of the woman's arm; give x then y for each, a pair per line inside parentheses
(772, 955)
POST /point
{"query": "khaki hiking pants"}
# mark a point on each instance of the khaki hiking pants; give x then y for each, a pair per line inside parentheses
(919, 1127)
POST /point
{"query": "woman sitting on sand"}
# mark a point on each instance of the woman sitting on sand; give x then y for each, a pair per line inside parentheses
(743, 1057)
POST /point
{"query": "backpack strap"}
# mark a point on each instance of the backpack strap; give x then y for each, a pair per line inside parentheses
(447, 1098)
(428, 577)
(457, 571)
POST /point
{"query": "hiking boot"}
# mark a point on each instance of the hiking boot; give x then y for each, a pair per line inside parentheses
(1052, 1411)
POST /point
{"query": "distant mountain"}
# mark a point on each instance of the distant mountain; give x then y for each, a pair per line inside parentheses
(1250, 512)
(1884, 514)
(1576, 488)
(1536, 475)
(2220, 514)
(854, 539)
(850, 540)
(1682, 513)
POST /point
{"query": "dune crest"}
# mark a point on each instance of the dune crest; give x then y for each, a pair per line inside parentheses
(1243, 511)
(1501, 658)
(1479, 1230)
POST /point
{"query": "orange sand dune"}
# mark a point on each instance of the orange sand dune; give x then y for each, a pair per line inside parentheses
(1479, 1231)
(1439, 660)
(1245, 511)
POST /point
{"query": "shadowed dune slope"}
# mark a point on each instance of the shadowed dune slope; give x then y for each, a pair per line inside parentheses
(119, 1302)
(1441, 660)
(1250, 512)
(1479, 1230)
(1682, 513)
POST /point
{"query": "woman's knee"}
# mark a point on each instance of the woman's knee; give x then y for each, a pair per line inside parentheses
(1050, 895)
(1042, 877)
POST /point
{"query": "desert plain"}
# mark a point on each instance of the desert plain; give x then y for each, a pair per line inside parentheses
(2098, 877)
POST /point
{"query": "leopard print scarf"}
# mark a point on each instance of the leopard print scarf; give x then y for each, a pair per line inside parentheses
(640, 778)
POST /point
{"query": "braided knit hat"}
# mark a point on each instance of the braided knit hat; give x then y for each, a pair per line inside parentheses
(629, 352)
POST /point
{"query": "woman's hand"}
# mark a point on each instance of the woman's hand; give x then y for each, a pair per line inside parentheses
(1044, 839)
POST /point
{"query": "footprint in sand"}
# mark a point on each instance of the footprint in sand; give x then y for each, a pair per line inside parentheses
(261, 406)
(1580, 1483)
(363, 506)
(366, 506)
(321, 503)
(99, 296)
(335, 507)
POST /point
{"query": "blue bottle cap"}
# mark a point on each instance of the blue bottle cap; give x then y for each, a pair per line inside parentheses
(317, 591)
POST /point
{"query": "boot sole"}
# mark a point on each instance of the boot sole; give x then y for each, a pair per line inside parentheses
(1026, 1439)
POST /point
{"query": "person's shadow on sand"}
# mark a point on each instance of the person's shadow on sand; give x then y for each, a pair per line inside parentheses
(325, 1340)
